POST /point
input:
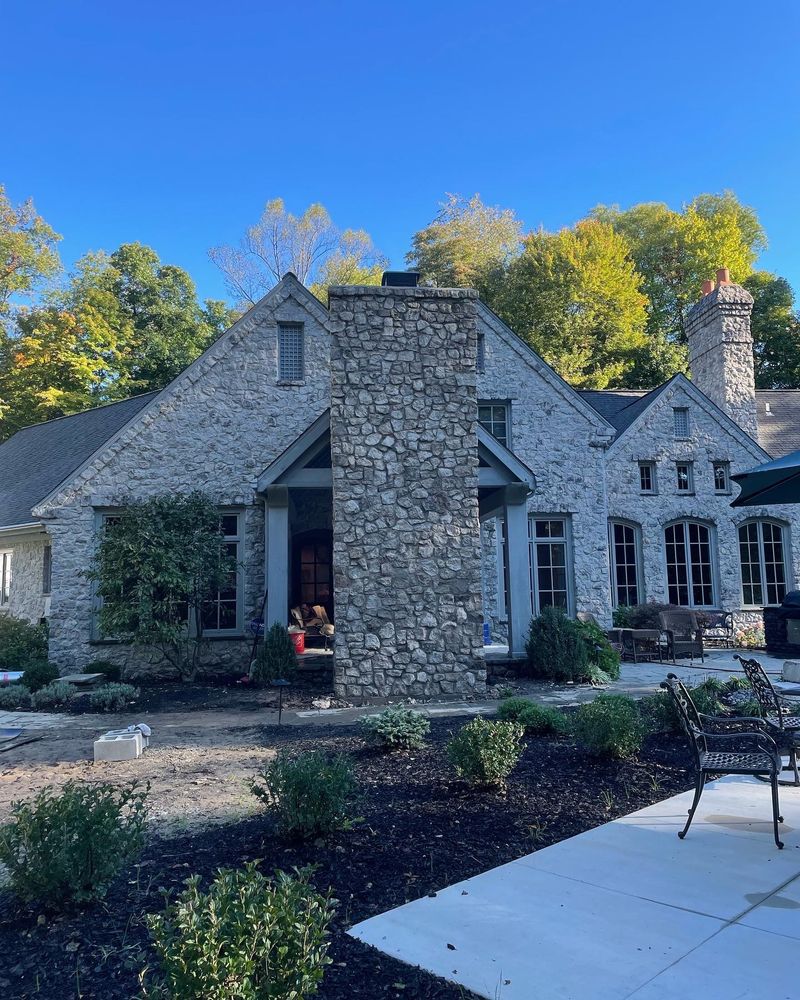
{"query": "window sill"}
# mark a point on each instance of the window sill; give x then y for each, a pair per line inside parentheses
(291, 381)
(217, 637)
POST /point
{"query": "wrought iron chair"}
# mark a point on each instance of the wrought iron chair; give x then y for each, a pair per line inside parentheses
(784, 726)
(726, 746)
(683, 633)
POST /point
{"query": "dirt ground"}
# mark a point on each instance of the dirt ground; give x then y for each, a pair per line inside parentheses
(198, 775)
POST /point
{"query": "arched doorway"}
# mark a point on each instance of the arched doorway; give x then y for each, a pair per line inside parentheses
(312, 570)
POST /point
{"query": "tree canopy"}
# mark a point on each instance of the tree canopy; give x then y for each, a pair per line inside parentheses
(28, 254)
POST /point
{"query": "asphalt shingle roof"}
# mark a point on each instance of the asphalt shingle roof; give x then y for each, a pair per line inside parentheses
(620, 407)
(36, 459)
(778, 412)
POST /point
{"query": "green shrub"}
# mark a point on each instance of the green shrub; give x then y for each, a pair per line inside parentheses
(112, 697)
(55, 695)
(556, 647)
(484, 752)
(63, 849)
(276, 657)
(111, 671)
(310, 795)
(749, 709)
(536, 720)
(706, 696)
(21, 643)
(38, 674)
(248, 937)
(610, 726)
(602, 655)
(621, 617)
(14, 697)
(735, 683)
(659, 713)
(397, 728)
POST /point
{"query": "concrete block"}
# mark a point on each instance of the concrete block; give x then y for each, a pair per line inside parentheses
(791, 671)
(118, 746)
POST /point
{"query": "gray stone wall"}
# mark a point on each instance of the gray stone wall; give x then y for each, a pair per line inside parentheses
(405, 492)
(721, 352)
(26, 599)
(654, 440)
(216, 428)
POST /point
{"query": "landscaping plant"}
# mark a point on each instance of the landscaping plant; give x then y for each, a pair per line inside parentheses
(112, 697)
(310, 795)
(610, 726)
(603, 658)
(556, 647)
(276, 657)
(64, 848)
(21, 643)
(536, 720)
(111, 671)
(39, 673)
(484, 752)
(248, 937)
(397, 728)
(14, 697)
(54, 695)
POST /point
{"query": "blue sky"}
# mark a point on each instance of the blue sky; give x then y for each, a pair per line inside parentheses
(173, 122)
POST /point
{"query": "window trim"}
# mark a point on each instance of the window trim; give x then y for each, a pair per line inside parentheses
(569, 558)
(689, 491)
(678, 435)
(652, 466)
(6, 561)
(47, 569)
(785, 545)
(638, 555)
(726, 468)
(506, 405)
(713, 557)
(298, 328)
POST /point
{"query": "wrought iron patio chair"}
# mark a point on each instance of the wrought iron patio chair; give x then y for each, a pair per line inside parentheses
(683, 634)
(726, 746)
(784, 725)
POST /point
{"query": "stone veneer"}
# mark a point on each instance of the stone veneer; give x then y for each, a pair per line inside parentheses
(27, 599)
(405, 492)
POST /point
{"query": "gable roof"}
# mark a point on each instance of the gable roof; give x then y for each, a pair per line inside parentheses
(621, 407)
(37, 459)
(778, 415)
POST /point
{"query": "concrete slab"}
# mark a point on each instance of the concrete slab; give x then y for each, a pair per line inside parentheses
(739, 963)
(480, 933)
(779, 914)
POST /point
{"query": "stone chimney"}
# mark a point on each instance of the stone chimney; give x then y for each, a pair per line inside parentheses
(721, 349)
(406, 538)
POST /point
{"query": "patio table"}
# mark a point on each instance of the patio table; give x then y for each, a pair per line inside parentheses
(641, 644)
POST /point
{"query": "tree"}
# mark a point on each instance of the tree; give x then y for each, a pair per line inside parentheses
(354, 262)
(281, 242)
(466, 243)
(158, 564)
(676, 251)
(28, 255)
(575, 297)
(775, 326)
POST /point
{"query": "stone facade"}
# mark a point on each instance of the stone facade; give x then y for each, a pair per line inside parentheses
(27, 597)
(405, 492)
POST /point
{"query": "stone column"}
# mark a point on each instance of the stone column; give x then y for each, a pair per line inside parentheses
(721, 350)
(518, 561)
(405, 492)
(277, 539)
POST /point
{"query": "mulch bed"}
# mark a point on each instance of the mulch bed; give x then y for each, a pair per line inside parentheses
(422, 829)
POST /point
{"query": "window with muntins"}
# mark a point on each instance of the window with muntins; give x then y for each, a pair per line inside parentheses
(690, 568)
(624, 558)
(722, 482)
(647, 477)
(291, 352)
(5, 579)
(494, 417)
(47, 569)
(684, 479)
(221, 613)
(762, 557)
(551, 562)
(681, 416)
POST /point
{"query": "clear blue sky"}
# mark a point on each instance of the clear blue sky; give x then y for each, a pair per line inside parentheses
(173, 122)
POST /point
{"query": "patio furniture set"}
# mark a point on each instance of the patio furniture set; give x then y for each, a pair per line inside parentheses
(680, 634)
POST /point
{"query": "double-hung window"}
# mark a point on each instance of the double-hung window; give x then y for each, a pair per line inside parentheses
(551, 563)
(762, 558)
(5, 579)
(722, 479)
(222, 613)
(690, 564)
(291, 352)
(647, 477)
(494, 417)
(684, 477)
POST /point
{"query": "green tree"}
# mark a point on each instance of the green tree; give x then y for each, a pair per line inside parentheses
(308, 245)
(354, 262)
(775, 326)
(28, 255)
(158, 564)
(466, 243)
(575, 297)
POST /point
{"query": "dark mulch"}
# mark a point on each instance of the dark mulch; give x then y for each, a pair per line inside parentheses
(422, 830)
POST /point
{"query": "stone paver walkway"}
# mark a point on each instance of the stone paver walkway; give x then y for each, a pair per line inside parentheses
(625, 911)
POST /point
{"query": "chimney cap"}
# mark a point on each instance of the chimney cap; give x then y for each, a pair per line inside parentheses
(723, 276)
(400, 279)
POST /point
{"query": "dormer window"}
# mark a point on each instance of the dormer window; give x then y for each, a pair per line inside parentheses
(291, 352)
(681, 417)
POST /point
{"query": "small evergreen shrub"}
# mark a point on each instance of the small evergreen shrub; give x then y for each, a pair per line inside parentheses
(247, 937)
(310, 795)
(707, 696)
(397, 728)
(484, 752)
(14, 697)
(64, 849)
(38, 674)
(602, 655)
(556, 647)
(659, 713)
(536, 720)
(112, 697)
(55, 695)
(276, 657)
(610, 726)
(111, 671)
(21, 643)
(749, 708)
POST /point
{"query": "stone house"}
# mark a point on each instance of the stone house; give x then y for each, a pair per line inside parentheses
(404, 459)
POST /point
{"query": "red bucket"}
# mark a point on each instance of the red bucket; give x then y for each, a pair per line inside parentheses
(298, 641)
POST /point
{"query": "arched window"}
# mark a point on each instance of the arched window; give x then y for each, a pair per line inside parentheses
(624, 546)
(762, 557)
(690, 564)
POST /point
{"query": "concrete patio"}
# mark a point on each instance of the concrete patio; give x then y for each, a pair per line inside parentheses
(625, 910)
